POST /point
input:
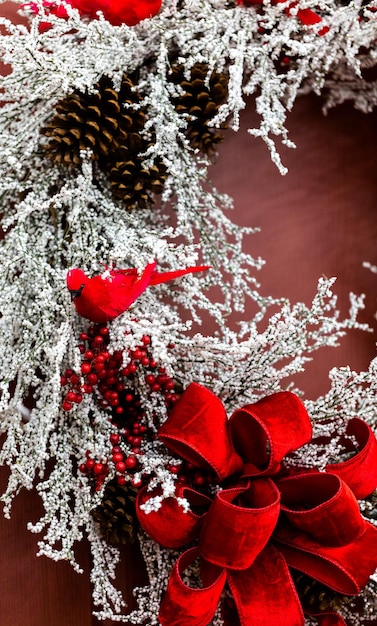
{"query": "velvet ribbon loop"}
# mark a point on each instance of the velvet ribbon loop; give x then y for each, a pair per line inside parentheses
(261, 439)
(345, 569)
(198, 431)
(360, 471)
(232, 534)
(172, 526)
(260, 524)
(186, 606)
(310, 499)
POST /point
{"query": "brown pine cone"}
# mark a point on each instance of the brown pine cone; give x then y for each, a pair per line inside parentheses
(98, 121)
(136, 185)
(201, 103)
(116, 513)
(317, 596)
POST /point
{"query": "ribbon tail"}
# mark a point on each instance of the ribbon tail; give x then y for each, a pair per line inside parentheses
(345, 569)
(360, 471)
(186, 606)
(265, 594)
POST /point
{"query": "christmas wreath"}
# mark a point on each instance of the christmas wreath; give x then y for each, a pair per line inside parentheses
(250, 505)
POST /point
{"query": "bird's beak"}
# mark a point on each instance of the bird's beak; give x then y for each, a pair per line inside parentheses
(75, 293)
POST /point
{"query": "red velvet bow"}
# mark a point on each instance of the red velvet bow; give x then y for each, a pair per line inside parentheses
(252, 532)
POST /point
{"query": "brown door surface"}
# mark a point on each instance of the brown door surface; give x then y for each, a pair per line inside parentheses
(318, 220)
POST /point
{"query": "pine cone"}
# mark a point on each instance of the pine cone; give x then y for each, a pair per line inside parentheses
(98, 121)
(317, 596)
(136, 185)
(116, 513)
(201, 103)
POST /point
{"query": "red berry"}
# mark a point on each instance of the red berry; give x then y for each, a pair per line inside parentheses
(81, 348)
(98, 341)
(87, 388)
(131, 462)
(156, 387)
(63, 381)
(114, 438)
(119, 410)
(120, 467)
(150, 379)
(111, 380)
(90, 464)
(144, 361)
(132, 368)
(85, 368)
(152, 364)
(78, 398)
(136, 482)
(92, 378)
(169, 385)
(68, 373)
(74, 379)
(104, 331)
(199, 479)
(121, 480)
(146, 340)
(82, 468)
(84, 337)
(66, 406)
(98, 468)
(117, 457)
(173, 397)
(89, 355)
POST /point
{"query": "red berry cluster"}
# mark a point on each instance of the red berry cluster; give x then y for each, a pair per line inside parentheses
(97, 471)
(116, 388)
(193, 476)
(105, 372)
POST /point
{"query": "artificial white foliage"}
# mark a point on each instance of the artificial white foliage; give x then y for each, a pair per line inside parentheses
(57, 218)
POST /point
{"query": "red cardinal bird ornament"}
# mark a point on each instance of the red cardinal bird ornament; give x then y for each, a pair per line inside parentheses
(103, 298)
